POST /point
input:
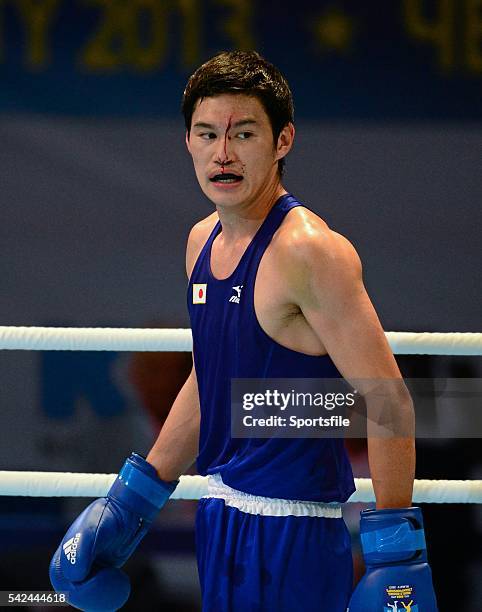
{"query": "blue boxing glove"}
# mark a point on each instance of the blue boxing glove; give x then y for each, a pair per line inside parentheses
(104, 536)
(398, 577)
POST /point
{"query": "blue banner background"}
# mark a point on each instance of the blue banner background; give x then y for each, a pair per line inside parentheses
(410, 59)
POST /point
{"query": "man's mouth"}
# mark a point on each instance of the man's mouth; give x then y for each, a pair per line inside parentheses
(227, 177)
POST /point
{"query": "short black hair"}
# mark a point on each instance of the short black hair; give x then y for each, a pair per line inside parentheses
(242, 72)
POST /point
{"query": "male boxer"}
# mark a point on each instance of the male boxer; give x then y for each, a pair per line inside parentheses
(273, 293)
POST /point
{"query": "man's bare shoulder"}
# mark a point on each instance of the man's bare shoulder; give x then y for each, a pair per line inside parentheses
(201, 230)
(197, 237)
(305, 244)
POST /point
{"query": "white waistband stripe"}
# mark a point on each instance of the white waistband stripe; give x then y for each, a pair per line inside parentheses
(268, 506)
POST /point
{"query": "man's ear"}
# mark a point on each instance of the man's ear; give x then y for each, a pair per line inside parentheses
(188, 144)
(285, 141)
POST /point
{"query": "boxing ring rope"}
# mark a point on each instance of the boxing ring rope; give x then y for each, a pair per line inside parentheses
(67, 484)
(71, 484)
(117, 339)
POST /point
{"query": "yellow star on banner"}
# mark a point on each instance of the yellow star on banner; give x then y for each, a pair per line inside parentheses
(333, 30)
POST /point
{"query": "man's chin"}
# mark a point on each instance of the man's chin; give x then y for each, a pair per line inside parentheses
(224, 197)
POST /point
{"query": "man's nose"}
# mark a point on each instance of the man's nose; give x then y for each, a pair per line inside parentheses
(224, 150)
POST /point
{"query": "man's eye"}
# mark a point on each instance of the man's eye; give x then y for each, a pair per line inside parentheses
(208, 135)
(245, 135)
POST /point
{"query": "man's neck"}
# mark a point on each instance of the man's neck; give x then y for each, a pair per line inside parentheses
(244, 221)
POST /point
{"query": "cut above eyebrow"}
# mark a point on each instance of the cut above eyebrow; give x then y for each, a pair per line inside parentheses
(209, 126)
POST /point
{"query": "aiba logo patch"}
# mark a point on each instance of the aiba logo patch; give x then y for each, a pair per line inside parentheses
(400, 598)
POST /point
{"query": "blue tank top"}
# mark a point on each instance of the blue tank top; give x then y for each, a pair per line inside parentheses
(228, 342)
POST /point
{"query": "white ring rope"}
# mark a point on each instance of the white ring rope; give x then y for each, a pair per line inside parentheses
(121, 339)
(71, 484)
(66, 484)
(94, 339)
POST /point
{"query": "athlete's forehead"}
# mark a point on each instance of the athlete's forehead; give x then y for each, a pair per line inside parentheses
(235, 110)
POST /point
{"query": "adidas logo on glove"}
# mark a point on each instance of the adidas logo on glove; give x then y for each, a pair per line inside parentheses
(70, 548)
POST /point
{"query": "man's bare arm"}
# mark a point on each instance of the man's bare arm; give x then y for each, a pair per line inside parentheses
(326, 275)
(176, 447)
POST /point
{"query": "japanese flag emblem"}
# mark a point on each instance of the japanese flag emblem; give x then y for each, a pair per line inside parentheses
(199, 293)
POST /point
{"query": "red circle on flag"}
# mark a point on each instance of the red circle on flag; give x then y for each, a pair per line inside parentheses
(200, 293)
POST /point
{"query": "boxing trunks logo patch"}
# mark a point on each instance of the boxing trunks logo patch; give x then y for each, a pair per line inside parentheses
(400, 598)
(199, 293)
(236, 298)
(70, 548)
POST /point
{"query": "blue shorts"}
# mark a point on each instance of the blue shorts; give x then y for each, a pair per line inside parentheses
(258, 554)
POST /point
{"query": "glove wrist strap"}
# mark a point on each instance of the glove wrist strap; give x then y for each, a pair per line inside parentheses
(156, 492)
(398, 543)
(393, 536)
(139, 488)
